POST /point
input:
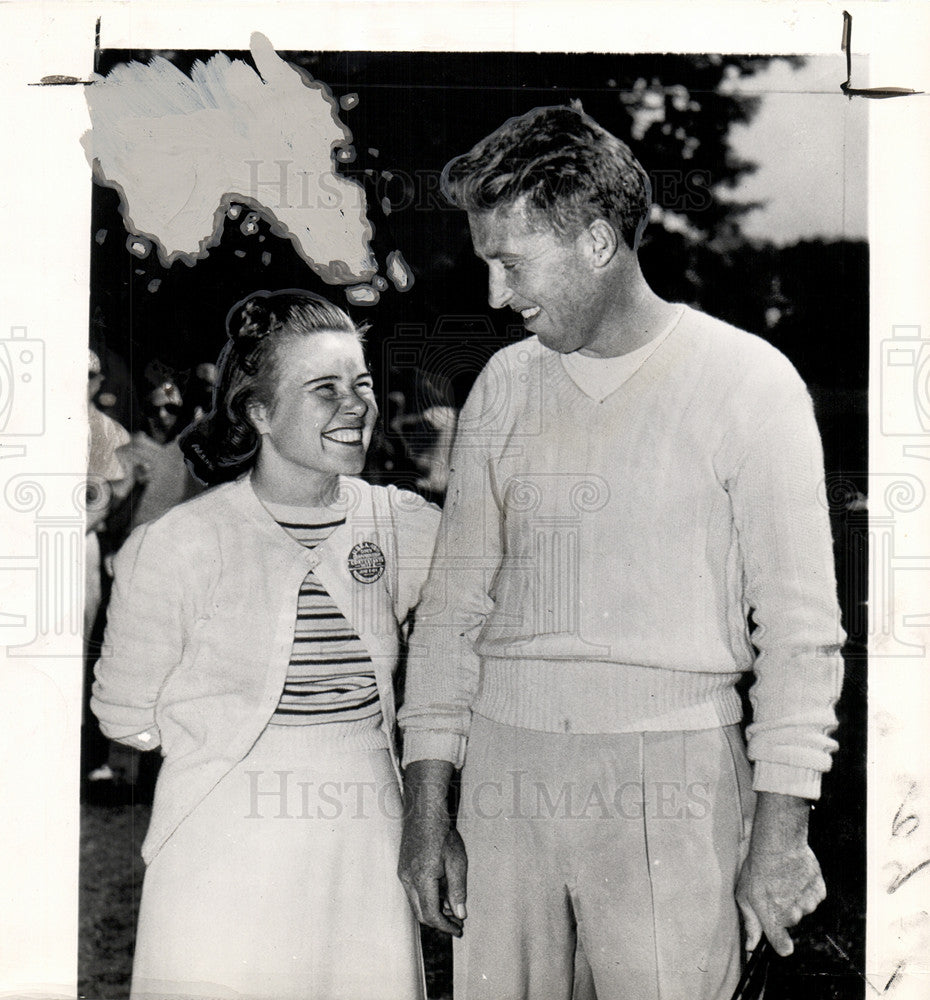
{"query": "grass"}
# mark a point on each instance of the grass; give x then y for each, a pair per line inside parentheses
(111, 880)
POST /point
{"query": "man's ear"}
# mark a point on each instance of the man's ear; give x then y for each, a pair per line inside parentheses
(258, 415)
(602, 242)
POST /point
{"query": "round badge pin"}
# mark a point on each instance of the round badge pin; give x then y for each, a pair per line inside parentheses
(366, 562)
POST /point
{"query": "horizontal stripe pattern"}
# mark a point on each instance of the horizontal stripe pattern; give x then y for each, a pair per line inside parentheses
(330, 677)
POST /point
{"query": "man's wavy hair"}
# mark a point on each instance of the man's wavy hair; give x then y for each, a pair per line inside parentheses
(224, 444)
(567, 169)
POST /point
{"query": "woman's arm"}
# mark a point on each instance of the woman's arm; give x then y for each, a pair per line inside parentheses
(145, 635)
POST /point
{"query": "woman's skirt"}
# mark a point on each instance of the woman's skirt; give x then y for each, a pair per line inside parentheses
(283, 883)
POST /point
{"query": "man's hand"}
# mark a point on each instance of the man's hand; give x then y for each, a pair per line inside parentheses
(433, 864)
(780, 881)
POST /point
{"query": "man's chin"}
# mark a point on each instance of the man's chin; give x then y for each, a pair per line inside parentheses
(554, 344)
(531, 325)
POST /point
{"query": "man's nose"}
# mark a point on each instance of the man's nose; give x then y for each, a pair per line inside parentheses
(499, 293)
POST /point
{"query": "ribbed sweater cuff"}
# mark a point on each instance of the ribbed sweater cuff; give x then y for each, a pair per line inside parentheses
(786, 780)
(433, 745)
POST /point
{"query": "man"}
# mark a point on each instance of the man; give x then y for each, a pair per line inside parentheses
(633, 520)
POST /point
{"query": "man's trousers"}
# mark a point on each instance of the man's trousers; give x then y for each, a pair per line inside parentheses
(604, 861)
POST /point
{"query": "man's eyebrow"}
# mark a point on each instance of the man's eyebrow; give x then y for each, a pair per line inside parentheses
(496, 254)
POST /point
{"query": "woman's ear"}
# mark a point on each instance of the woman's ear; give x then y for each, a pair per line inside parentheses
(258, 416)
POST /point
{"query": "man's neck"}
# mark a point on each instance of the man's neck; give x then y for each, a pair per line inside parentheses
(635, 317)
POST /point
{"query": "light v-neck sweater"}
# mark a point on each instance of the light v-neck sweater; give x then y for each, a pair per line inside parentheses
(597, 561)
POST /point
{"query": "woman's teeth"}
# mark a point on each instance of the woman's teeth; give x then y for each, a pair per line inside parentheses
(344, 435)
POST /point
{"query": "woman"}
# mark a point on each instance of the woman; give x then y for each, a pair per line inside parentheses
(252, 635)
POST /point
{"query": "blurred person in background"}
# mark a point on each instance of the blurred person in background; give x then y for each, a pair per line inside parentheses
(162, 477)
(109, 481)
(200, 388)
(426, 437)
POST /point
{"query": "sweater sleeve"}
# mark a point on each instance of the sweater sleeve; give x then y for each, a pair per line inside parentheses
(416, 521)
(143, 641)
(785, 542)
(443, 668)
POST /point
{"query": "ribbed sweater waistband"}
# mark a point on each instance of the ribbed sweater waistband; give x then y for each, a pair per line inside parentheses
(593, 696)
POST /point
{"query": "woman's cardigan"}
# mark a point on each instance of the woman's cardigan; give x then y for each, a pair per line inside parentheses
(201, 623)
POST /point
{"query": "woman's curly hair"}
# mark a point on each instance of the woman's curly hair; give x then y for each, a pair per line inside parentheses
(224, 444)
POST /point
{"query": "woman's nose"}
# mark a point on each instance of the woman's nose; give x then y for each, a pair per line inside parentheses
(353, 402)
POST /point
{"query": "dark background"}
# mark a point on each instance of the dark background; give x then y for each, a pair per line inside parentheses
(415, 111)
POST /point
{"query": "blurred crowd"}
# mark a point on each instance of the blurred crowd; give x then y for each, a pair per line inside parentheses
(135, 473)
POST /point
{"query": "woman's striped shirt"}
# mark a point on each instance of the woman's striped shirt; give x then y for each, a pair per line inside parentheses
(330, 677)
